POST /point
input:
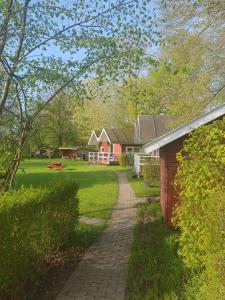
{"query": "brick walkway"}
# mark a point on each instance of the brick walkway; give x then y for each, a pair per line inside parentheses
(102, 272)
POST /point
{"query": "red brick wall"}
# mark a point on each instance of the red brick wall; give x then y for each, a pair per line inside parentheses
(168, 168)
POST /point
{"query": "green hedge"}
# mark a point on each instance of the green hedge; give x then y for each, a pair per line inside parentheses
(151, 171)
(123, 160)
(34, 223)
(200, 213)
(126, 159)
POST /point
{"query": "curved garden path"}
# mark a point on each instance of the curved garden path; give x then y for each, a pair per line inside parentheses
(102, 272)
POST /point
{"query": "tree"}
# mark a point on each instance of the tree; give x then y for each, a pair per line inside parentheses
(104, 109)
(56, 125)
(100, 38)
(206, 19)
(178, 85)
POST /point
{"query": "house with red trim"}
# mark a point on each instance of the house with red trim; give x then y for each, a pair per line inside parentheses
(169, 144)
(111, 142)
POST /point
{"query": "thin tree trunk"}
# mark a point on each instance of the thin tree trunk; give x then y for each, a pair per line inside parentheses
(4, 29)
(10, 75)
(5, 94)
(12, 170)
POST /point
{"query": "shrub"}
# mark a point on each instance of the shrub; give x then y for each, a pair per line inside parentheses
(34, 223)
(151, 171)
(123, 160)
(200, 214)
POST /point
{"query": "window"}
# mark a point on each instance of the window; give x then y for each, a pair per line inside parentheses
(129, 149)
(102, 149)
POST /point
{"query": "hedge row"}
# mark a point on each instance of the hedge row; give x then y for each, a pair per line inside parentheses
(126, 159)
(34, 223)
(151, 171)
(200, 214)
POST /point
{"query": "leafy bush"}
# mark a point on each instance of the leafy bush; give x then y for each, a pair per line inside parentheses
(123, 160)
(200, 215)
(151, 171)
(34, 223)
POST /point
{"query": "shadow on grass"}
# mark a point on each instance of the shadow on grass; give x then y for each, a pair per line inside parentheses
(155, 270)
(84, 179)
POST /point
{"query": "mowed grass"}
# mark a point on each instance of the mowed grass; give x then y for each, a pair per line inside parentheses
(98, 191)
(139, 187)
(155, 270)
(98, 186)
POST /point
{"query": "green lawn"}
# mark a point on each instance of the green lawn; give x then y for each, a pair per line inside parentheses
(155, 270)
(98, 184)
(97, 193)
(139, 188)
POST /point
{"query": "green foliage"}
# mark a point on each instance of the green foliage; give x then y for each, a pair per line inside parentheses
(155, 270)
(103, 40)
(56, 126)
(178, 85)
(34, 223)
(151, 171)
(123, 160)
(200, 215)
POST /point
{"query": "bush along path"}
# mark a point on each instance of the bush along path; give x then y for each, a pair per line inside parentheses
(102, 272)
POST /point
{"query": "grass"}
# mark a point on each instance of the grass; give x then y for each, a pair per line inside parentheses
(139, 188)
(98, 184)
(97, 193)
(155, 270)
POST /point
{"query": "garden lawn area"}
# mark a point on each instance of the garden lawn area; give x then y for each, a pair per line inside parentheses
(97, 193)
(155, 270)
(139, 187)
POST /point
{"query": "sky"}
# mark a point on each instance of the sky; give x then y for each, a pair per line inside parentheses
(56, 51)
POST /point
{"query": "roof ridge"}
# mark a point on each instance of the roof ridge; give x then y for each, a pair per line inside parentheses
(186, 128)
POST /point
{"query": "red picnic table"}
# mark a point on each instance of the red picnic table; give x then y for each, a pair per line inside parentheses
(58, 166)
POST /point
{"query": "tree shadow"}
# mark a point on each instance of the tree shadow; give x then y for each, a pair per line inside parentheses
(84, 179)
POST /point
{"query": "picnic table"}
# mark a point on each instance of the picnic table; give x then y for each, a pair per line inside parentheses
(57, 166)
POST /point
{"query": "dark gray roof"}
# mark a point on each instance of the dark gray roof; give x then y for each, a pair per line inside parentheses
(149, 127)
(119, 136)
(185, 129)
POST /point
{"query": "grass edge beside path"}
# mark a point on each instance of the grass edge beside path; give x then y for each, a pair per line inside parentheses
(155, 270)
(138, 186)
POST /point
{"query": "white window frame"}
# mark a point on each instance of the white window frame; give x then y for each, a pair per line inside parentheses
(132, 149)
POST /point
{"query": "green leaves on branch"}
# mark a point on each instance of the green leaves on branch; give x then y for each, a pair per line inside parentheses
(200, 215)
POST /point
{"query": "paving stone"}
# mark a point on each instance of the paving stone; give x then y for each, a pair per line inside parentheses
(90, 221)
(102, 272)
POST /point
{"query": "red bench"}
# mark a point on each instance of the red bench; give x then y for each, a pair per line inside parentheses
(58, 166)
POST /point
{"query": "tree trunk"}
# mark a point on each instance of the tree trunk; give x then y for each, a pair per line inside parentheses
(12, 170)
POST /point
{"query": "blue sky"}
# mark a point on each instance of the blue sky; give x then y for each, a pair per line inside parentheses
(56, 51)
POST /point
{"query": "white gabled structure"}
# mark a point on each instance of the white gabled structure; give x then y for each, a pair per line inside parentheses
(104, 136)
(184, 129)
(93, 139)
